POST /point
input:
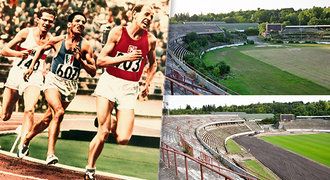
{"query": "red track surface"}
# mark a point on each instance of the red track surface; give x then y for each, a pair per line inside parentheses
(15, 168)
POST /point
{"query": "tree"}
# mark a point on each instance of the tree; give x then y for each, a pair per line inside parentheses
(313, 21)
(262, 28)
(303, 18)
(190, 37)
(223, 68)
(188, 107)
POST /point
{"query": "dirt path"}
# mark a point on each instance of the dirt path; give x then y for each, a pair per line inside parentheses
(285, 164)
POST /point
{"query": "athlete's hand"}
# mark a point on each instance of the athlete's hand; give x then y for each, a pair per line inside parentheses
(77, 53)
(145, 91)
(27, 74)
(23, 54)
(133, 56)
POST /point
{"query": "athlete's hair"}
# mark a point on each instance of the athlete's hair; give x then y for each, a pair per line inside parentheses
(71, 16)
(138, 7)
(47, 10)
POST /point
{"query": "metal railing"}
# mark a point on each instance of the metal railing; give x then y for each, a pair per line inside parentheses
(172, 82)
(166, 150)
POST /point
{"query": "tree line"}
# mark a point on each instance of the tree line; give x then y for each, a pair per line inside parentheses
(298, 108)
(196, 44)
(285, 16)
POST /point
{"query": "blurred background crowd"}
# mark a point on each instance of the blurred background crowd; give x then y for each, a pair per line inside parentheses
(102, 16)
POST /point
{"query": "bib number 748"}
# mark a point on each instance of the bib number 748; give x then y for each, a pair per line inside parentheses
(27, 62)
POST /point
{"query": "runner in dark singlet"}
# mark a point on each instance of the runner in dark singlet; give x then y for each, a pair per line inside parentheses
(73, 53)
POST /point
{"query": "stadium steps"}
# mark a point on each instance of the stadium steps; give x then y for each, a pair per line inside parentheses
(166, 173)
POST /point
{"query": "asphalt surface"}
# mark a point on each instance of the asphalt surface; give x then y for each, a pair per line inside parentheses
(284, 164)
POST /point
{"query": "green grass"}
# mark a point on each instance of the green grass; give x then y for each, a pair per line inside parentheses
(233, 147)
(249, 75)
(258, 168)
(308, 62)
(124, 160)
(313, 146)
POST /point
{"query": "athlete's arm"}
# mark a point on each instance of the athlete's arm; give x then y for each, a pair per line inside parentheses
(152, 64)
(8, 49)
(50, 44)
(105, 60)
(89, 63)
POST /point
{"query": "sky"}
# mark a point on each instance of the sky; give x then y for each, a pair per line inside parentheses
(225, 6)
(175, 102)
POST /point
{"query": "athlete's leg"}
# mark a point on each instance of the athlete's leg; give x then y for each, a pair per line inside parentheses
(125, 124)
(9, 99)
(31, 95)
(113, 120)
(53, 98)
(39, 126)
(104, 108)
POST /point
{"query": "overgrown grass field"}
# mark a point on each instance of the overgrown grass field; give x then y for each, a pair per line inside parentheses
(269, 70)
(313, 146)
(310, 62)
(233, 147)
(257, 168)
(124, 160)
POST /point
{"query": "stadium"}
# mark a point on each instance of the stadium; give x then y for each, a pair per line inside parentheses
(137, 160)
(234, 145)
(293, 62)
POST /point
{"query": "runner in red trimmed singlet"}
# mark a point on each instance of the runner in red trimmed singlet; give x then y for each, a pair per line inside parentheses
(124, 56)
(26, 42)
(129, 70)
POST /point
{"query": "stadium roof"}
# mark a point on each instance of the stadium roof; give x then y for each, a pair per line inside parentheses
(309, 26)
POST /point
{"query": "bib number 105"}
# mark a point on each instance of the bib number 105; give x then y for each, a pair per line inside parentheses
(67, 72)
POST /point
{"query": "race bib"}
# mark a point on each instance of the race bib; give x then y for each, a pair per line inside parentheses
(25, 63)
(68, 72)
(131, 66)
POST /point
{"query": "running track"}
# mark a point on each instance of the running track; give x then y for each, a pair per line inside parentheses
(286, 165)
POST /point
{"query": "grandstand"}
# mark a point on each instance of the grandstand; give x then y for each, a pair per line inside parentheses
(175, 63)
(204, 137)
(307, 123)
(317, 33)
(254, 126)
(183, 134)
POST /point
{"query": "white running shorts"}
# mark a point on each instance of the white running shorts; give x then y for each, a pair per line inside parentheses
(15, 79)
(67, 88)
(120, 91)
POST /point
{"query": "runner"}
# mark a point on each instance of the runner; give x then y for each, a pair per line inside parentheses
(124, 56)
(61, 83)
(25, 43)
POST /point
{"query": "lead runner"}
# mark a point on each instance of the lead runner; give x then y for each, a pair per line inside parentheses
(127, 51)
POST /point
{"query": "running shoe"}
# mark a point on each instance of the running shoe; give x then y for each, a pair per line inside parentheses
(89, 174)
(23, 151)
(51, 159)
